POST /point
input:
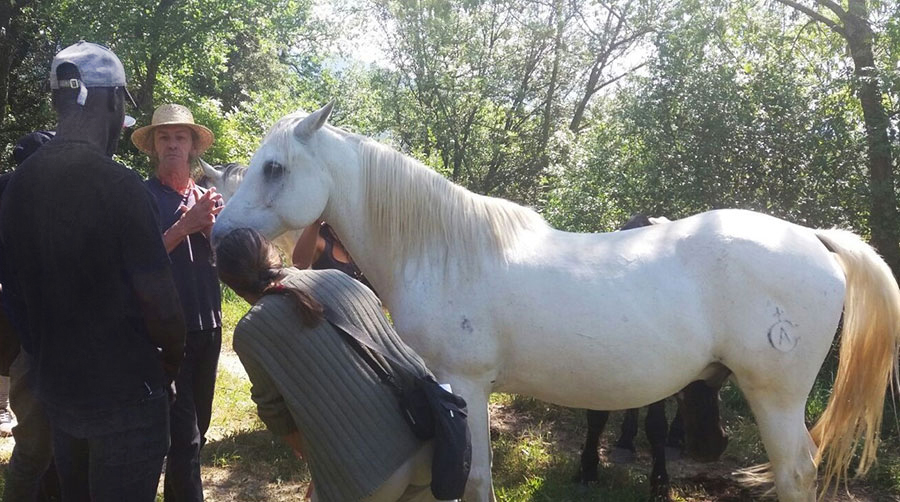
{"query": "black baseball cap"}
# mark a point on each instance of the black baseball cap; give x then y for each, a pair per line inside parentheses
(29, 144)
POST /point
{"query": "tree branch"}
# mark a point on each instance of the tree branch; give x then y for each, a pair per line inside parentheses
(815, 16)
(836, 8)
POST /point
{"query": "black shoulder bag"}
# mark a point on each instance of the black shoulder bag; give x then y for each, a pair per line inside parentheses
(431, 412)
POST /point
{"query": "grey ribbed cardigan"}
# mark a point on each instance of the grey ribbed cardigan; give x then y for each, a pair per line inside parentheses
(309, 379)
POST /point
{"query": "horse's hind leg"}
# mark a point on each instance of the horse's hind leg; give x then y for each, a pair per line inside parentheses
(675, 438)
(629, 430)
(703, 433)
(623, 452)
(655, 427)
(596, 421)
(790, 448)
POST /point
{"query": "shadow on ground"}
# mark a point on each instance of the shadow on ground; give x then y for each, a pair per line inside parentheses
(250, 466)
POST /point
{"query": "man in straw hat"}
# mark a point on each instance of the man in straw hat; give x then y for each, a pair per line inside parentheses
(86, 275)
(187, 213)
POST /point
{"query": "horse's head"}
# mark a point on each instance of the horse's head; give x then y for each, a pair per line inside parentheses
(287, 184)
(226, 178)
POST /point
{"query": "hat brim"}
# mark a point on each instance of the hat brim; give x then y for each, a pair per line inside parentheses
(143, 136)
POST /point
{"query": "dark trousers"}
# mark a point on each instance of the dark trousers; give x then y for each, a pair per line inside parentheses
(28, 478)
(190, 415)
(117, 466)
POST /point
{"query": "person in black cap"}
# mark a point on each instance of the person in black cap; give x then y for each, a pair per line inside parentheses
(31, 475)
(88, 279)
(29, 144)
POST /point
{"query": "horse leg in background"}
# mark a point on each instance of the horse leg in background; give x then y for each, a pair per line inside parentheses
(624, 451)
(705, 439)
(590, 459)
(655, 426)
(675, 438)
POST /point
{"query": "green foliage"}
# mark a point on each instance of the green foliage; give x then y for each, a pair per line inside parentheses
(238, 65)
(727, 115)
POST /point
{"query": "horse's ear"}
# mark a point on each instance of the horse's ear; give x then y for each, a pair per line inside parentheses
(210, 171)
(313, 122)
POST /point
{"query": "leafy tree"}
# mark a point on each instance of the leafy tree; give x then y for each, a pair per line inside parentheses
(211, 55)
(485, 91)
(854, 25)
(728, 115)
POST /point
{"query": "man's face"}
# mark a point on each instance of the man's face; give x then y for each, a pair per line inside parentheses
(173, 145)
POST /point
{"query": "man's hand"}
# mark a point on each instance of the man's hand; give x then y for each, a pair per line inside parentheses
(198, 218)
(202, 215)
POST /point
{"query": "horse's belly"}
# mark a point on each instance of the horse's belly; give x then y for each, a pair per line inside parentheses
(623, 366)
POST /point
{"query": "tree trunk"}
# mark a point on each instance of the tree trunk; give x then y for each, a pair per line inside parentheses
(6, 46)
(547, 120)
(589, 90)
(9, 35)
(854, 27)
(883, 216)
(145, 96)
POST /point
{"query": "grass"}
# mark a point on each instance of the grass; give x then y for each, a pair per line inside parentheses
(233, 308)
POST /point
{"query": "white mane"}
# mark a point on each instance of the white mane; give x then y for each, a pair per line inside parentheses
(412, 208)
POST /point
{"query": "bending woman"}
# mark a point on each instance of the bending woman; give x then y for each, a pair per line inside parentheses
(311, 388)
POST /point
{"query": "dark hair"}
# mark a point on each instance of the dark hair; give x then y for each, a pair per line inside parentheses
(248, 263)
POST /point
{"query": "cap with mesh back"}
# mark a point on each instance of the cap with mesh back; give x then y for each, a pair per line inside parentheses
(97, 67)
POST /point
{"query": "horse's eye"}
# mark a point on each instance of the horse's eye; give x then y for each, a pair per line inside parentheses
(273, 171)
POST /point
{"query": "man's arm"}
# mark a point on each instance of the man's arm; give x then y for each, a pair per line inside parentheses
(163, 316)
(150, 275)
(9, 344)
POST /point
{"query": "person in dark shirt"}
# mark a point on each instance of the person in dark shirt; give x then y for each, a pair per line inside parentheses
(186, 216)
(86, 272)
(31, 476)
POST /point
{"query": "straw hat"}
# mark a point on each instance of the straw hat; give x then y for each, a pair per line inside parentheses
(172, 115)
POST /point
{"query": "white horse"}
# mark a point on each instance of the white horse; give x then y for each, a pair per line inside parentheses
(227, 178)
(495, 299)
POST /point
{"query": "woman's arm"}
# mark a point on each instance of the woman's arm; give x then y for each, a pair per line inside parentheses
(305, 249)
(270, 405)
(294, 440)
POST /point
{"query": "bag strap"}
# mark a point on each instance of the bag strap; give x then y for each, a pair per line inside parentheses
(354, 339)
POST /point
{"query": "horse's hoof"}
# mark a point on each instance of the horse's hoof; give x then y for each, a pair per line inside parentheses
(622, 456)
(586, 477)
(661, 497)
(660, 493)
(673, 453)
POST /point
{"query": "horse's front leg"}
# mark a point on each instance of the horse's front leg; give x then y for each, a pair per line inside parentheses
(479, 488)
(590, 459)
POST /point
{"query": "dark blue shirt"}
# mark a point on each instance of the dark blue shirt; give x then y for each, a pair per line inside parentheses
(192, 262)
